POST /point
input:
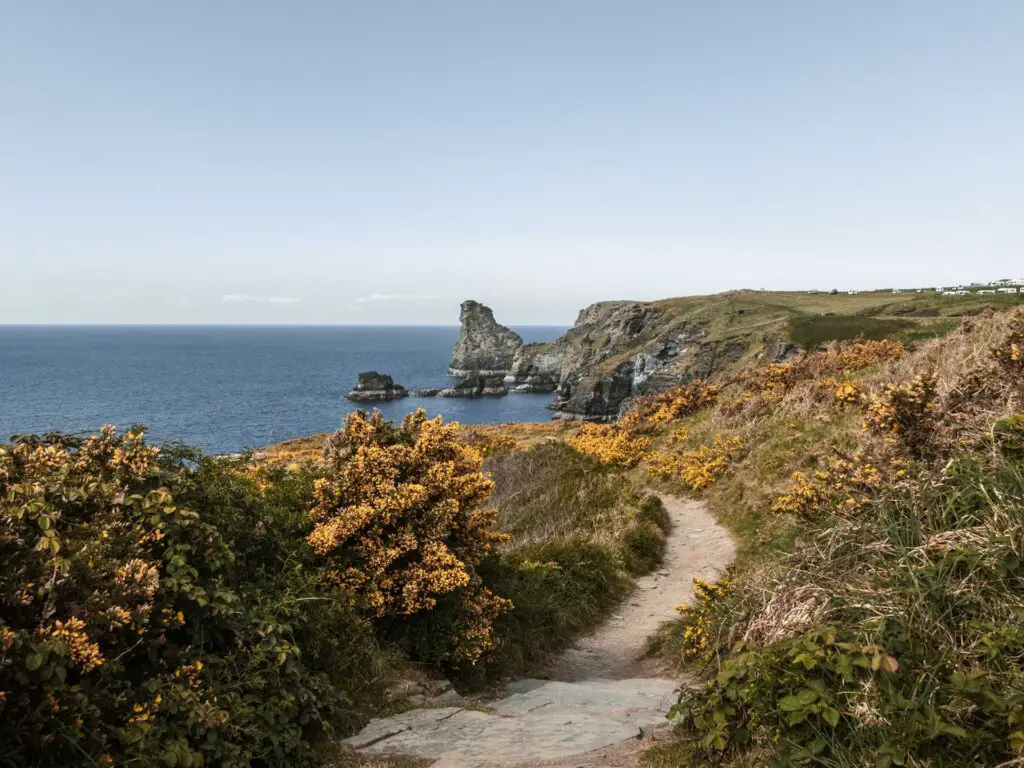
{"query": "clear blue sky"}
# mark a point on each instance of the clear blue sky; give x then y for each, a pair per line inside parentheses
(329, 161)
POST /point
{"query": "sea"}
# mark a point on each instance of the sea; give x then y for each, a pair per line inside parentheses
(227, 388)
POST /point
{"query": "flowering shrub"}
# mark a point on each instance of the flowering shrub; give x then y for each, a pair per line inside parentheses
(698, 616)
(610, 444)
(831, 367)
(852, 356)
(160, 608)
(843, 487)
(769, 384)
(99, 566)
(650, 411)
(842, 391)
(399, 523)
(489, 440)
(700, 467)
(906, 412)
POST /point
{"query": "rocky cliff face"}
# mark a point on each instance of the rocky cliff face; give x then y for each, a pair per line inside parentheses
(485, 347)
(617, 350)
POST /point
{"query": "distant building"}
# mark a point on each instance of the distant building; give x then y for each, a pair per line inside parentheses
(897, 290)
(986, 291)
(1007, 290)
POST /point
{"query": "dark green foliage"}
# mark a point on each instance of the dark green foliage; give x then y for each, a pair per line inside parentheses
(244, 657)
(652, 510)
(811, 331)
(559, 589)
(643, 546)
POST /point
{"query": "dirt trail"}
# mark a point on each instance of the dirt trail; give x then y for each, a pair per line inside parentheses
(601, 703)
(697, 546)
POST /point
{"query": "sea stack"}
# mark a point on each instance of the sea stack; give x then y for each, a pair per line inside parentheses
(485, 347)
(373, 387)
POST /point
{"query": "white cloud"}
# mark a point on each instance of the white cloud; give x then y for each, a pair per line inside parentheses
(402, 297)
(238, 298)
(283, 300)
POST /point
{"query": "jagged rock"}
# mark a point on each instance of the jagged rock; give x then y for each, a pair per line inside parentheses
(485, 347)
(475, 385)
(376, 387)
(535, 368)
(424, 392)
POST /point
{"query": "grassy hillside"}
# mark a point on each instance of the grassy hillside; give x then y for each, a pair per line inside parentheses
(722, 334)
(877, 490)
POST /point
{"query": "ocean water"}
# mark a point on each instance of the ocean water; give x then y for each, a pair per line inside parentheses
(226, 388)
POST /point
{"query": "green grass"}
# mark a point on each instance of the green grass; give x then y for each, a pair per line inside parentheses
(811, 332)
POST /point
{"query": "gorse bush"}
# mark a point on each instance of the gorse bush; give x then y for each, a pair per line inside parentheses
(650, 411)
(610, 444)
(698, 468)
(399, 522)
(158, 607)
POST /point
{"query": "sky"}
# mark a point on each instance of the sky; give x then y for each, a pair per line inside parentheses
(328, 161)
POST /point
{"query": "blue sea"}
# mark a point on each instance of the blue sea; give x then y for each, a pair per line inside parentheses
(227, 388)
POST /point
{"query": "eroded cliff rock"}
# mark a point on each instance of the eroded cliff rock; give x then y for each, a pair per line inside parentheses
(485, 347)
(617, 350)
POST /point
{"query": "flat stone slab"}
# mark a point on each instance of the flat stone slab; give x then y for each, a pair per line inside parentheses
(537, 720)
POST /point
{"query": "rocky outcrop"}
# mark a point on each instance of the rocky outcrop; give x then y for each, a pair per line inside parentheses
(485, 347)
(536, 368)
(475, 385)
(617, 350)
(432, 392)
(373, 387)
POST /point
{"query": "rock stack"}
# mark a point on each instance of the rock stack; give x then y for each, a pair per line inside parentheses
(485, 347)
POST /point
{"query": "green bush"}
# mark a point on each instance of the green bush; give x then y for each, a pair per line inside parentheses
(652, 510)
(811, 331)
(643, 546)
(559, 589)
(164, 609)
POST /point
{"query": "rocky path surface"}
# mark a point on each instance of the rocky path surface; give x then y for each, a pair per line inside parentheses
(601, 698)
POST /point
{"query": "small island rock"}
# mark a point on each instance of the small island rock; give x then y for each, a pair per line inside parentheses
(375, 387)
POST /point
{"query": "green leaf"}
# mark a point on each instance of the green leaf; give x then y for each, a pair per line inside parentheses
(790, 704)
(33, 662)
(806, 696)
(831, 716)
